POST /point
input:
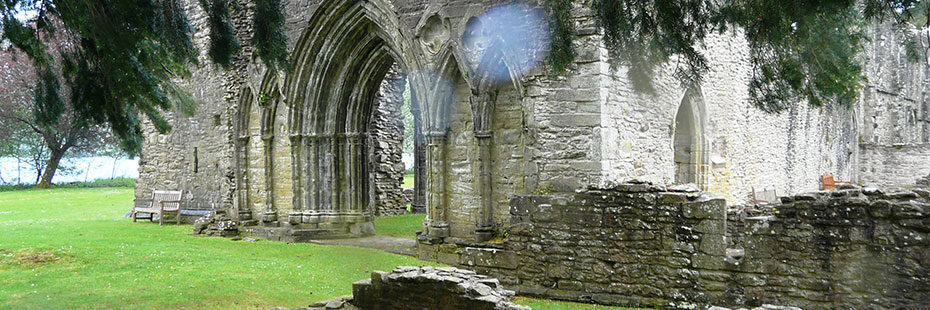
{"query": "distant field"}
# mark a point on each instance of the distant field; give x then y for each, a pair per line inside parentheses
(71, 248)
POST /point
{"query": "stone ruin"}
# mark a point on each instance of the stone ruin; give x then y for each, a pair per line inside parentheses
(639, 244)
(298, 155)
(924, 182)
(216, 225)
(763, 307)
(424, 288)
(529, 158)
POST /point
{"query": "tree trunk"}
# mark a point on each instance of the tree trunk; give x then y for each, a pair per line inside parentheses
(50, 168)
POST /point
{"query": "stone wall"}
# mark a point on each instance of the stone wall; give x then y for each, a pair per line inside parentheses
(425, 288)
(895, 104)
(894, 113)
(386, 139)
(738, 147)
(197, 155)
(850, 248)
(547, 134)
(924, 182)
(638, 244)
(897, 165)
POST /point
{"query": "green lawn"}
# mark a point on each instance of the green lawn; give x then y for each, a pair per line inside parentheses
(408, 180)
(401, 226)
(71, 248)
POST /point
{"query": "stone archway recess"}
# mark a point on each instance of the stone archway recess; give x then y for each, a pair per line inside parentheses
(339, 64)
(689, 141)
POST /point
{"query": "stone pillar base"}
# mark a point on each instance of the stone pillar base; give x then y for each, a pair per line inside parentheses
(437, 231)
(483, 234)
(245, 215)
(421, 209)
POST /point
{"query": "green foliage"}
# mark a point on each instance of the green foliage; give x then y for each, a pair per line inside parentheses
(118, 62)
(122, 56)
(268, 37)
(800, 50)
(223, 43)
(644, 34)
(264, 98)
(544, 189)
(561, 30)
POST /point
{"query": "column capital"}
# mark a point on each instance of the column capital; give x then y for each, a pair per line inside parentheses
(436, 134)
(482, 106)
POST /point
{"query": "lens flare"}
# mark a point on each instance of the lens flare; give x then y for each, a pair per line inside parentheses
(506, 42)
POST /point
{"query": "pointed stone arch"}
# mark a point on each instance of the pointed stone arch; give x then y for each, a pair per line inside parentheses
(339, 63)
(256, 140)
(689, 140)
(242, 136)
(438, 92)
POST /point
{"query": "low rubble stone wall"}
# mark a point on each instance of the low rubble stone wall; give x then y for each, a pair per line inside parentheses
(442, 288)
(653, 246)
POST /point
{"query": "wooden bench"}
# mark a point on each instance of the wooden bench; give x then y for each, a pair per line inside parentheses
(162, 202)
(829, 183)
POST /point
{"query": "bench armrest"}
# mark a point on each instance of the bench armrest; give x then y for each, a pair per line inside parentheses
(141, 203)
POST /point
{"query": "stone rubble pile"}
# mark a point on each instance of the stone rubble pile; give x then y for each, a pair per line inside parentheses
(763, 307)
(216, 225)
(425, 288)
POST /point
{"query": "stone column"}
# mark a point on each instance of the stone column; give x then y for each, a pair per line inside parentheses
(335, 182)
(324, 173)
(270, 214)
(438, 226)
(297, 176)
(243, 208)
(418, 204)
(484, 230)
(482, 108)
(312, 176)
(353, 173)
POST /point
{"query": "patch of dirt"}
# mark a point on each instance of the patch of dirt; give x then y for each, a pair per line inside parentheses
(30, 257)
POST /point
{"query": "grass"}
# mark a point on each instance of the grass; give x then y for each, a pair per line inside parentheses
(102, 260)
(401, 226)
(408, 180)
(115, 182)
(70, 248)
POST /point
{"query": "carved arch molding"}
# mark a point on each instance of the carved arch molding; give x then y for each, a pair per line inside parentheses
(326, 100)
